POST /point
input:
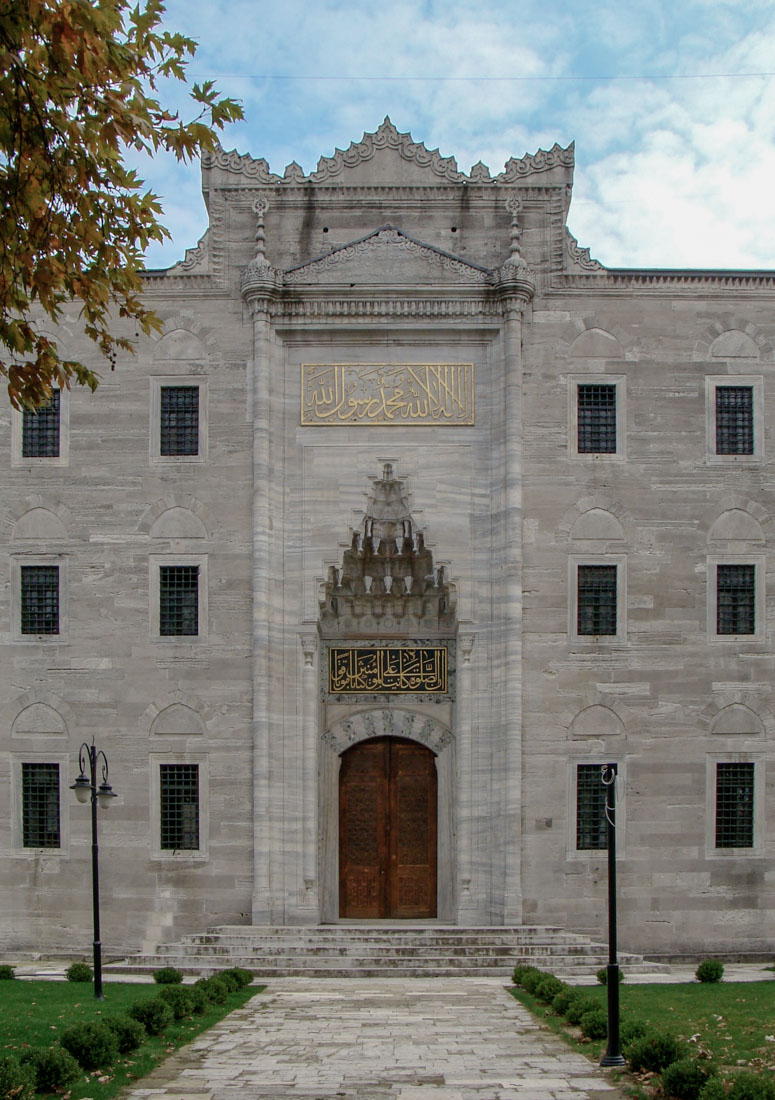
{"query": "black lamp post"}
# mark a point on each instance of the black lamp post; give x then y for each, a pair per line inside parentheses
(613, 1055)
(86, 788)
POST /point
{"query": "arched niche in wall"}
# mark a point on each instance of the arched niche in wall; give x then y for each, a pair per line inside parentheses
(596, 343)
(178, 523)
(39, 720)
(181, 345)
(596, 721)
(178, 720)
(39, 525)
(737, 719)
(734, 344)
(735, 525)
(597, 524)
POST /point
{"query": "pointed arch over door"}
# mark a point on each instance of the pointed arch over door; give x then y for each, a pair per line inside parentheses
(387, 830)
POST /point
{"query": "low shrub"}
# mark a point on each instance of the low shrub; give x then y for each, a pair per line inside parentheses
(521, 970)
(630, 1030)
(200, 1002)
(229, 979)
(180, 999)
(155, 1015)
(17, 1082)
(129, 1033)
(548, 988)
(594, 1023)
(713, 1090)
(709, 970)
(577, 1007)
(168, 975)
(653, 1052)
(6, 973)
(78, 972)
(216, 990)
(752, 1086)
(562, 1000)
(243, 976)
(93, 1045)
(686, 1078)
(602, 975)
(54, 1067)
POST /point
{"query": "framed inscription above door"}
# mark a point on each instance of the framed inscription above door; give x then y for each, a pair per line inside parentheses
(387, 830)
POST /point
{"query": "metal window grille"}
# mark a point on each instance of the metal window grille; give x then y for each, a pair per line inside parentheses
(591, 825)
(735, 599)
(179, 788)
(597, 599)
(734, 805)
(40, 806)
(179, 420)
(596, 419)
(40, 430)
(40, 599)
(178, 600)
(734, 420)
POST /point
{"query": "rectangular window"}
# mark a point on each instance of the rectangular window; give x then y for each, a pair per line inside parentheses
(179, 420)
(596, 600)
(40, 429)
(596, 419)
(734, 805)
(179, 798)
(178, 600)
(40, 599)
(40, 806)
(734, 420)
(735, 599)
(591, 824)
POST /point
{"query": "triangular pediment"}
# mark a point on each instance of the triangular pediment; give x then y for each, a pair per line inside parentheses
(387, 257)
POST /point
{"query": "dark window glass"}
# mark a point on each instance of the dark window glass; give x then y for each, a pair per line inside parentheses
(734, 420)
(179, 420)
(735, 599)
(591, 824)
(40, 805)
(40, 430)
(40, 599)
(179, 789)
(734, 805)
(178, 599)
(597, 599)
(597, 419)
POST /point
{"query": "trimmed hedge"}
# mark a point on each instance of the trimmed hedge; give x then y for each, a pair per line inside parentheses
(594, 1024)
(55, 1068)
(129, 1033)
(155, 1015)
(709, 970)
(93, 1044)
(6, 973)
(168, 975)
(686, 1078)
(17, 1082)
(78, 972)
(243, 976)
(180, 999)
(653, 1052)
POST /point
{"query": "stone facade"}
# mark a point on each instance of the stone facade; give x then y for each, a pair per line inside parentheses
(389, 452)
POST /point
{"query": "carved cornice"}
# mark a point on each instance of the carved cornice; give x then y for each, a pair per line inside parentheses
(194, 258)
(337, 309)
(386, 137)
(668, 281)
(391, 239)
(580, 256)
(542, 161)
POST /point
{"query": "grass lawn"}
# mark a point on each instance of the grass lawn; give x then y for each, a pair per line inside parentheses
(33, 1013)
(730, 1020)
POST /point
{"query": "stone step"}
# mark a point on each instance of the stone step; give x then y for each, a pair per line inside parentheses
(372, 951)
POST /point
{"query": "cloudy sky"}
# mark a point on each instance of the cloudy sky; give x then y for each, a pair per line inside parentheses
(671, 104)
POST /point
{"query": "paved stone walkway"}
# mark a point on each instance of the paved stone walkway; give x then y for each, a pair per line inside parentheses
(387, 1039)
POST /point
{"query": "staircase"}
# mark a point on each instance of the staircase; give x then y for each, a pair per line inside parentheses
(374, 951)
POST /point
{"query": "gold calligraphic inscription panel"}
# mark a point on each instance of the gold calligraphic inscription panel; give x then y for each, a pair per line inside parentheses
(387, 669)
(412, 394)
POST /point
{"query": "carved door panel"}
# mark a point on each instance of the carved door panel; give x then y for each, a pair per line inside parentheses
(387, 830)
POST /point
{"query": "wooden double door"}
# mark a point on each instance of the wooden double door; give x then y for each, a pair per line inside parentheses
(387, 830)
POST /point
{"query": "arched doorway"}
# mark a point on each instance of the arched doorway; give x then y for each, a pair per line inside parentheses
(387, 830)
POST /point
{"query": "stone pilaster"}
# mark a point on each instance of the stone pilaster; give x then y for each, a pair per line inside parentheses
(467, 912)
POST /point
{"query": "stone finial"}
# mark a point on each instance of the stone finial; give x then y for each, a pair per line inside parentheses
(309, 645)
(514, 279)
(259, 279)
